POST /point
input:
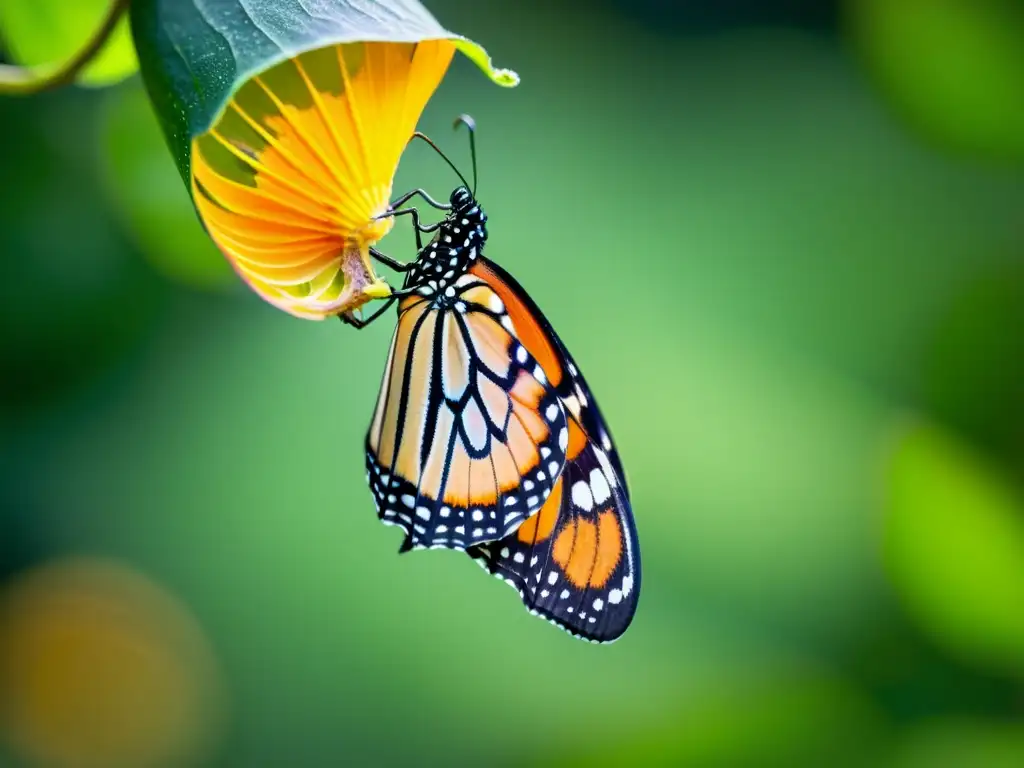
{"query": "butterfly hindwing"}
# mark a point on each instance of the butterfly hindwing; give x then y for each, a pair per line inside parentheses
(576, 563)
(468, 435)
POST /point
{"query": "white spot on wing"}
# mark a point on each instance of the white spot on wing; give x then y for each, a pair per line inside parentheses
(573, 404)
(581, 496)
(599, 486)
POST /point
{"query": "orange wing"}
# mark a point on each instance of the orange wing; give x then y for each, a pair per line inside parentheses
(537, 334)
(469, 435)
(577, 563)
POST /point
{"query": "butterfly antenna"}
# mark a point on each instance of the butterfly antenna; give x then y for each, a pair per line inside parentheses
(470, 124)
(418, 135)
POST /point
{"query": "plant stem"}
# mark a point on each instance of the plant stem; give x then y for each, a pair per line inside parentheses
(24, 81)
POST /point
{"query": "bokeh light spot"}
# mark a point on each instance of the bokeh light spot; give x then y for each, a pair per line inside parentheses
(101, 667)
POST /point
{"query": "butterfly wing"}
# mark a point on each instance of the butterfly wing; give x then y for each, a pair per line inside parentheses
(537, 334)
(577, 562)
(469, 435)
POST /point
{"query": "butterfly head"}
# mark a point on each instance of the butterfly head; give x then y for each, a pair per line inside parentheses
(465, 206)
(461, 199)
(465, 227)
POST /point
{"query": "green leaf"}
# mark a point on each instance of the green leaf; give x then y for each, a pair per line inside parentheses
(954, 547)
(49, 32)
(194, 54)
(148, 197)
(953, 68)
(799, 718)
(961, 743)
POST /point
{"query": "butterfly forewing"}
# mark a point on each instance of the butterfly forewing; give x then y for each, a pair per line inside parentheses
(540, 337)
(468, 436)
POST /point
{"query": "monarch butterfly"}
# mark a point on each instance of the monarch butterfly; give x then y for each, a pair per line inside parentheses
(486, 437)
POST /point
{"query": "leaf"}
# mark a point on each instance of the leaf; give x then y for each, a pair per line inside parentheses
(960, 742)
(288, 124)
(195, 54)
(798, 717)
(49, 32)
(953, 68)
(954, 547)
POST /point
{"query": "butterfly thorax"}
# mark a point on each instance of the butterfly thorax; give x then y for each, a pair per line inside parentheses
(453, 251)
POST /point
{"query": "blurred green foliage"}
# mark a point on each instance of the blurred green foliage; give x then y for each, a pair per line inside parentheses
(49, 32)
(954, 67)
(955, 546)
(801, 316)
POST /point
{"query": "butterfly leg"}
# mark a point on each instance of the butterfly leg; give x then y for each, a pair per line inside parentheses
(417, 227)
(403, 199)
(388, 261)
(359, 323)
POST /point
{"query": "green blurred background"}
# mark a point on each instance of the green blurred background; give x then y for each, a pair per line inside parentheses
(785, 241)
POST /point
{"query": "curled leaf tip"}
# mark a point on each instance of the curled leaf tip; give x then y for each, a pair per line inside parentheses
(476, 53)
